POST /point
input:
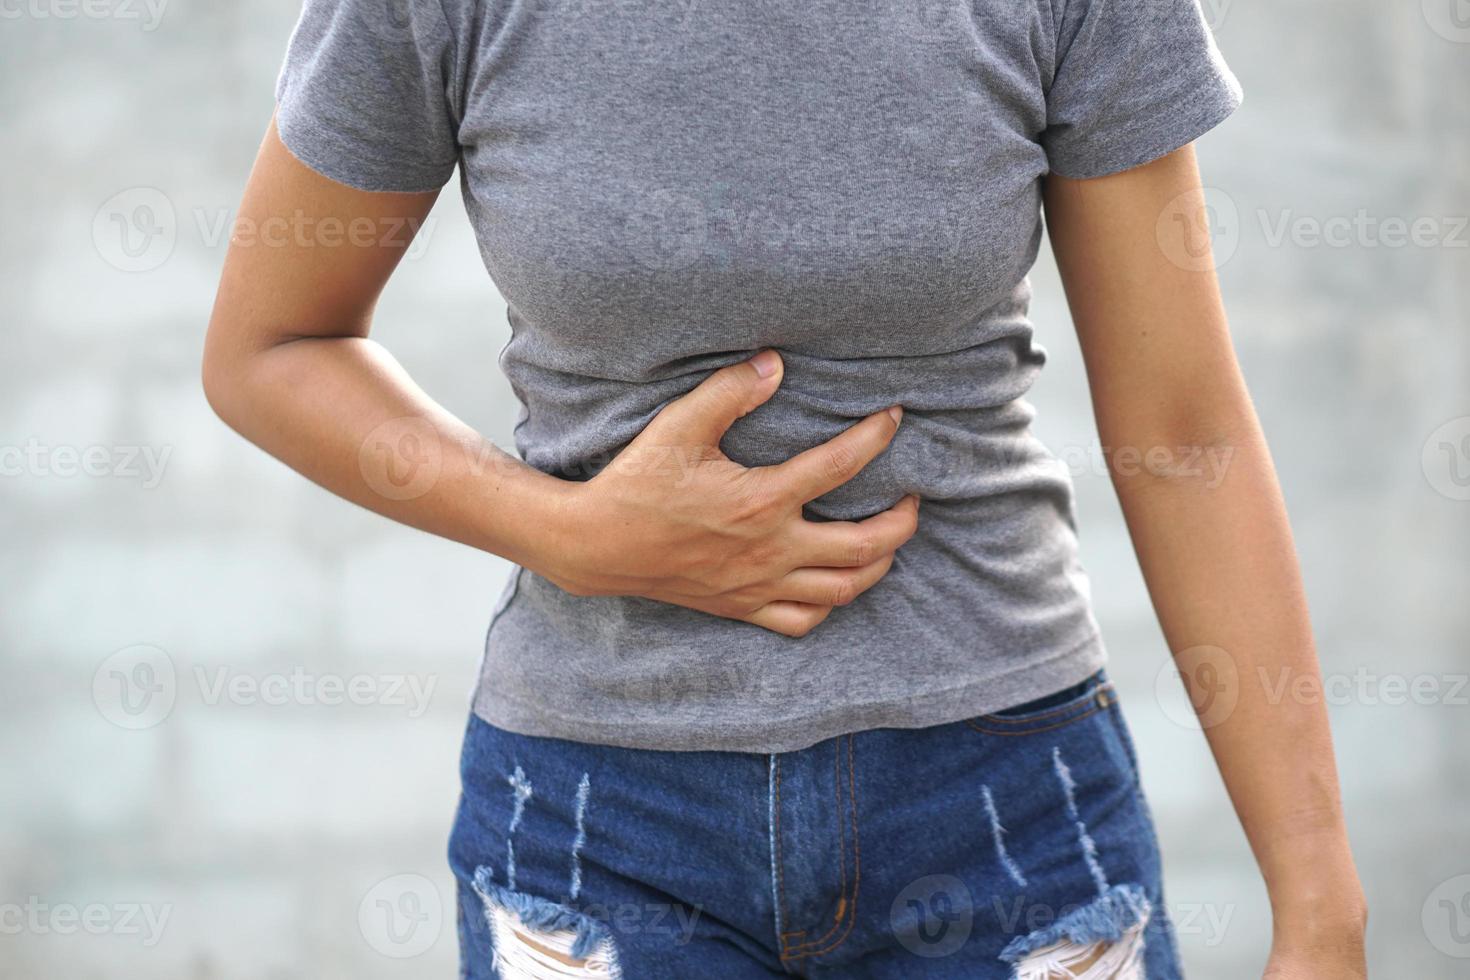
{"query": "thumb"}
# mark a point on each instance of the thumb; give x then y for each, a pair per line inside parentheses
(701, 417)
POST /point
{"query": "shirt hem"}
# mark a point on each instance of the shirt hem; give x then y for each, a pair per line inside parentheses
(757, 734)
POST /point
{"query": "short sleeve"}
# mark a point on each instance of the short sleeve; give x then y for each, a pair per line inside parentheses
(363, 95)
(1133, 80)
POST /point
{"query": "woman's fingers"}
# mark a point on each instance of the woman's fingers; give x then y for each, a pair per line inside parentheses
(791, 618)
(809, 474)
(832, 586)
(853, 544)
(700, 418)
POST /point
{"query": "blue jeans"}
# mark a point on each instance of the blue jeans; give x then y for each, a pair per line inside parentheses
(982, 848)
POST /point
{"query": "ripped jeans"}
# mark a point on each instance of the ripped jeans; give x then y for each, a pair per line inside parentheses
(1010, 845)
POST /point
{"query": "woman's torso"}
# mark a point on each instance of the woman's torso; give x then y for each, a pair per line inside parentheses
(660, 189)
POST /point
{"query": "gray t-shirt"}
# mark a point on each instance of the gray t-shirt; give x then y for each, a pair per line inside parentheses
(662, 187)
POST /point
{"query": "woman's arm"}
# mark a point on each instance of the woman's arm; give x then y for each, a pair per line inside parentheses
(288, 364)
(1214, 543)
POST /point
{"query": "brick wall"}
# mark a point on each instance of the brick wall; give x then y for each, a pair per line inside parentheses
(207, 832)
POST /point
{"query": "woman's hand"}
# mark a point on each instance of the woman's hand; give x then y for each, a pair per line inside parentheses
(673, 519)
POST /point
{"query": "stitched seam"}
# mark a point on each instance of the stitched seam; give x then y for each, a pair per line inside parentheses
(857, 860)
(842, 853)
(1119, 725)
(1050, 712)
(780, 861)
(771, 817)
(841, 850)
(1034, 731)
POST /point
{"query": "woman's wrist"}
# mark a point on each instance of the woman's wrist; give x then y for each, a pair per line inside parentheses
(525, 516)
(1313, 887)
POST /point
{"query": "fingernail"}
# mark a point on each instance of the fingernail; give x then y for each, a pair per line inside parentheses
(765, 363)
(896, 413)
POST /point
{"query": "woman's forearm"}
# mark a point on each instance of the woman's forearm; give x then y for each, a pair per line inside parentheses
(1217, 554)
(1203, 506)
(343, 412)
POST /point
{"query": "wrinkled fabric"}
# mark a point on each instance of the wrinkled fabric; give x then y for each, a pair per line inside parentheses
(661, 188)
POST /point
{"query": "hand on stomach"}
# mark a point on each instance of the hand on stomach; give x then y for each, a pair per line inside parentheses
(673, 519)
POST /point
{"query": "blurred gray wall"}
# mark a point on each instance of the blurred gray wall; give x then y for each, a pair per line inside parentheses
(196, 833)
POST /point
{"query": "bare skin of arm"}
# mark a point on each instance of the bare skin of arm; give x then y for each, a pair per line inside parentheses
(288, 364)
(1216, 553)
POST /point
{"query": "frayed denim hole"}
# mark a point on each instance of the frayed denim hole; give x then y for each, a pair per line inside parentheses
(590, 940)
(1106, 935)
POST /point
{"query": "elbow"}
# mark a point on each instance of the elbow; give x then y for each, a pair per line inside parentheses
(215, 381)
(221, 377)
(1194, 446)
